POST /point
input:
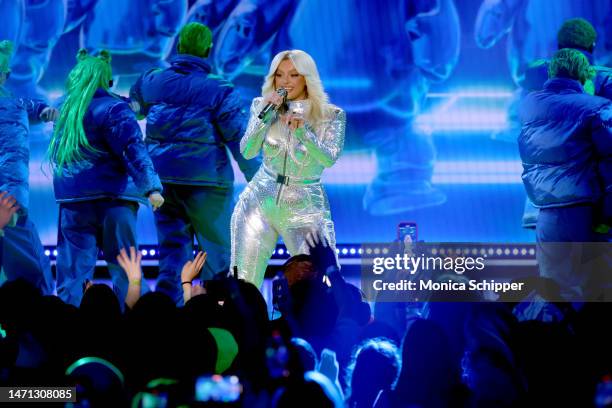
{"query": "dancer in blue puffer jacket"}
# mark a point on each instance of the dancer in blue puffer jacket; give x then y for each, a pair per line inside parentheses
(21, 252)
(101, 172)
(193, 119)
(566, 149)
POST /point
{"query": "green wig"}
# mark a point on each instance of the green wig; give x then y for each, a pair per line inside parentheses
(6, 52)
(195, 39)
(89, 74)
(576, 33)
(570, 63)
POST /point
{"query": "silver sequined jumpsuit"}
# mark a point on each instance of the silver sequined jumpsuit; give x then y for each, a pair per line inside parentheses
(285, 197)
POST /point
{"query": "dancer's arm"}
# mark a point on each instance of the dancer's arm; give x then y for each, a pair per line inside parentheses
(602, 139)
(137, 101)
(126, 141)
(230, 119)
(38, 110)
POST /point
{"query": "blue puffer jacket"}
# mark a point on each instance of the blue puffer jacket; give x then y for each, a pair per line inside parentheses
(192, 116)
(121, 167)
(15, 114)
(566, 146)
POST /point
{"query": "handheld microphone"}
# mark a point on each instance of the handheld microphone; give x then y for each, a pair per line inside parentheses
(282, 92)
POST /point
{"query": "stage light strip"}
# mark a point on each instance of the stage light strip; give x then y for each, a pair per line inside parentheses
(354, 251)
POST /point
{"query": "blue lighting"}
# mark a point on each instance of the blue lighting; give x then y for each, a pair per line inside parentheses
(472, 110)
(462, 120)
(480, 94)
(348, 83)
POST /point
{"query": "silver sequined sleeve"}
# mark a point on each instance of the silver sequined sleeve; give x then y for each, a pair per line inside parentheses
(251, 142)
(327, 148)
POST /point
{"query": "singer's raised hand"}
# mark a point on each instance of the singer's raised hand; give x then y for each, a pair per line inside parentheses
(293, 122)
(274, 98)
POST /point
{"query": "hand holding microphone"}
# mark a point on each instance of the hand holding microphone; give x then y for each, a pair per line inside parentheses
(295, 118)
(273, 101)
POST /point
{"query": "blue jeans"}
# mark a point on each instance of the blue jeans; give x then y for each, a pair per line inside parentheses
(23, 256)
(83, 228)
(188, 211)
(570, 265)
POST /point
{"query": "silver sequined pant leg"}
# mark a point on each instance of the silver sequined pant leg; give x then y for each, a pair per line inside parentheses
(261, 215)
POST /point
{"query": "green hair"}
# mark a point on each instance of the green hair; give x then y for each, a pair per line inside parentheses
(570, 63)
(69, 138)
(6, 52)
(195, 39)
(576, 33)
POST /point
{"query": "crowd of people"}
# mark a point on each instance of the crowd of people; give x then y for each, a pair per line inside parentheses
(324, 348)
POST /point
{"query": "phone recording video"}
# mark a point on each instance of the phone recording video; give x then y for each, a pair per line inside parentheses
(405, 229)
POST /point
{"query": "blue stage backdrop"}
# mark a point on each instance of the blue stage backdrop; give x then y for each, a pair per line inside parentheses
(427, 85)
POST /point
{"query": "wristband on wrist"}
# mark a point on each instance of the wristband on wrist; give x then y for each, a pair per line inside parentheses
(135, 281)
(186, 283)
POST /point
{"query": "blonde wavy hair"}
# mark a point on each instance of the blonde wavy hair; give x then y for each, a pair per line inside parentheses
(304, 65)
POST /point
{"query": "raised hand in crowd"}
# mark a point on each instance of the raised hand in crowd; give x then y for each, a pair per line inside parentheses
(86, 285)
(131, 266)
(190, 271)
(322, 254)
(408, 245)
(329, 367)
(8, 207)
(324, 261)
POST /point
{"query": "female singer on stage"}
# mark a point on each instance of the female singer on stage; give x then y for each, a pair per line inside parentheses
(102, 170)
(300, 137)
